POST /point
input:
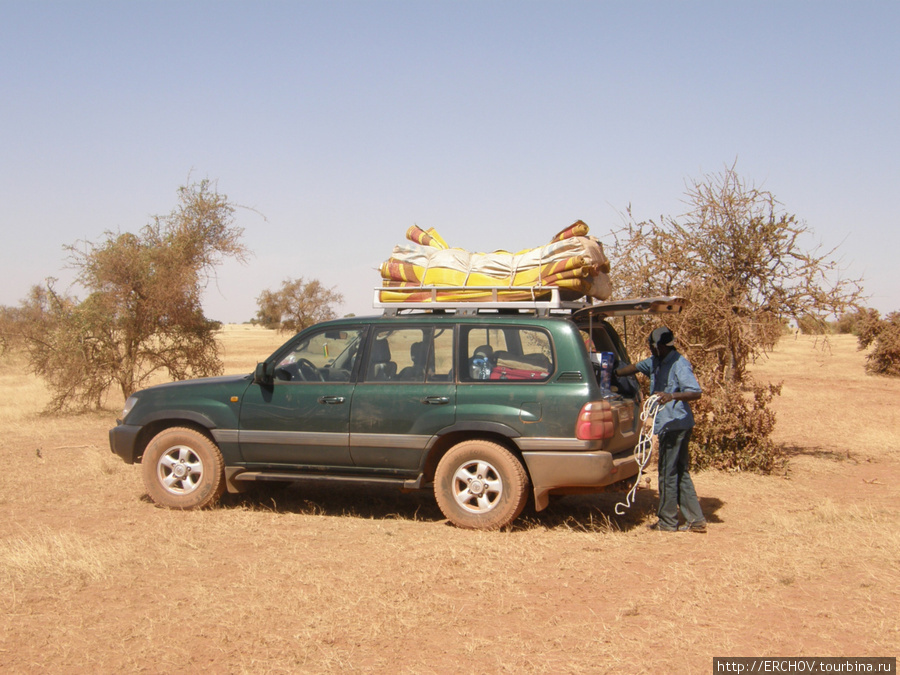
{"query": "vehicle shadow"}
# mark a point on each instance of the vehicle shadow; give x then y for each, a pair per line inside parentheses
(608, 512)
(577, 513)
(337, 499)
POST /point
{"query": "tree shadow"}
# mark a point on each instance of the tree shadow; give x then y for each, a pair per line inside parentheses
(817, 452)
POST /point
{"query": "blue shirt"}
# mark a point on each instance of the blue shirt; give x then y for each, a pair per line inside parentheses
(671, 375)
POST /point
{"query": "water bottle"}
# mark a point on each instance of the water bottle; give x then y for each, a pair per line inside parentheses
(480, 368)
(606, 366)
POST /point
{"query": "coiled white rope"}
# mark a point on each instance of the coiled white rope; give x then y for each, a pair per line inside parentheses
(644, 448)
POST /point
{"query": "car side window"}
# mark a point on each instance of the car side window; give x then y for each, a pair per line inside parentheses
(505, 354)
(323, 356)
(419, 354)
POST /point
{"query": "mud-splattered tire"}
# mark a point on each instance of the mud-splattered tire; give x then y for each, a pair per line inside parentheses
(480, 485)
(183, 469)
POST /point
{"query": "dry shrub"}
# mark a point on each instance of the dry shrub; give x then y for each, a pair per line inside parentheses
(810, 324)
(884, 359)
(738, 258)
(734, 428)
(734, 420)
(855, 321)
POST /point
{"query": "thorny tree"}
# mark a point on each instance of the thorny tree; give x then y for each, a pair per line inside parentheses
(739, 259)
(143, 310)
(297, 304)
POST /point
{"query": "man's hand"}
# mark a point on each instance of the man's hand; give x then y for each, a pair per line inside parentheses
(665, 397)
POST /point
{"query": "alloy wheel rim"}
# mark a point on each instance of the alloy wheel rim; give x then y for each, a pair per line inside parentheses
(179, 470)
(477, 486)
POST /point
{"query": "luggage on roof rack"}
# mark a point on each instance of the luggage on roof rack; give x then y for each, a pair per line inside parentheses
(572, 263)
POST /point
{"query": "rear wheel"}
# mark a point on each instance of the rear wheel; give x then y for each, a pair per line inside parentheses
(183, 469)
(480, 485)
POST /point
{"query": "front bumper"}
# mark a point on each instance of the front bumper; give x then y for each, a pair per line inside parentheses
(122, 441)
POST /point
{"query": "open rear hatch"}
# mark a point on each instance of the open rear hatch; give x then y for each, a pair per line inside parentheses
(658, 305)
(593, 316)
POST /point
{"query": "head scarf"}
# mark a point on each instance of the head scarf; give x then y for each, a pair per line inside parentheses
(662, 336)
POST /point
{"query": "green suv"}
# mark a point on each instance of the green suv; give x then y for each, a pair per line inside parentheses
(484, 404)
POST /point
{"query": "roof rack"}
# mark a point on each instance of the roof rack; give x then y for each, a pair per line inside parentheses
(543, 306)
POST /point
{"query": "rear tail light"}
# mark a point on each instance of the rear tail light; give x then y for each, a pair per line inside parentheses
(595, 421)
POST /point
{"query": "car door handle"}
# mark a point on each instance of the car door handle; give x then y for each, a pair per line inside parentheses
(331, 400)
(436, 400)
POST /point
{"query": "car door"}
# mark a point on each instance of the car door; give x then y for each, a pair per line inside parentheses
(302, 417)
(506, 380)
(405, 396)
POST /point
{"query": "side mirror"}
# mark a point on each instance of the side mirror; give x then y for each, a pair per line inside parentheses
(264, 374)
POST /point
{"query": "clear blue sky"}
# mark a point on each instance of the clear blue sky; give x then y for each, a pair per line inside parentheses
(497, 122)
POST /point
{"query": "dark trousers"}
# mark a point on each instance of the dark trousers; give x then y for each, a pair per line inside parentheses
(676, 489)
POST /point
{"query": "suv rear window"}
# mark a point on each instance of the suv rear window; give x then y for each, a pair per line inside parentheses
(505, 353)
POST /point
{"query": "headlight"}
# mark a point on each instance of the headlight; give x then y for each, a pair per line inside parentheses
(129, 404)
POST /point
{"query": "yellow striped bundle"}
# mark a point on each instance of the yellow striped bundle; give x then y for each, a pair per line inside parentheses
(573, 262)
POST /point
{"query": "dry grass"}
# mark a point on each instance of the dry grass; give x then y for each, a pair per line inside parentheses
(828, 403)
(39, 553)
(244, 345)
(320, 579)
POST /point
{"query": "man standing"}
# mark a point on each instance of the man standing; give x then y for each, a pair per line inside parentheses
(672, 379)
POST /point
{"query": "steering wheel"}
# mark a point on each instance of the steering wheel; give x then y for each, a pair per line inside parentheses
(287, 373)
(308, 371)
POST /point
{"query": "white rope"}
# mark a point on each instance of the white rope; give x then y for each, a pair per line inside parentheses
(644, 448)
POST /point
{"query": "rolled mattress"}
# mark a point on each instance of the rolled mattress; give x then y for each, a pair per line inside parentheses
(573, 262)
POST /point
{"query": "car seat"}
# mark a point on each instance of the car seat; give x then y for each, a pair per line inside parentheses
(381, 367)
(415, 372)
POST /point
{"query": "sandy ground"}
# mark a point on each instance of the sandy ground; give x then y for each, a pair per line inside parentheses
(93, 577)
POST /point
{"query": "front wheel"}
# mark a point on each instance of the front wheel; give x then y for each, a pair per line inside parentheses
(480, 485)
(183, 469)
